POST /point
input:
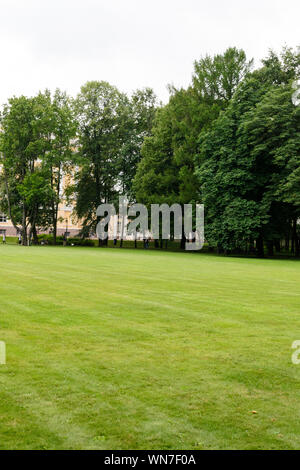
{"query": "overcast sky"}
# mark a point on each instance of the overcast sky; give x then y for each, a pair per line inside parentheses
(131, 43)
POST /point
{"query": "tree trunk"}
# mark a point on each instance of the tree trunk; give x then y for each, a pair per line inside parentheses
(54, 231)
(183, 242)
(260, 247)
(295, 238)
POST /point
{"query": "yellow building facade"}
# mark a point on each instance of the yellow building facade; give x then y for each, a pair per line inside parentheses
(67, 222)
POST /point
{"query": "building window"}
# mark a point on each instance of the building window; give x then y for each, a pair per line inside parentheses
(3, 218)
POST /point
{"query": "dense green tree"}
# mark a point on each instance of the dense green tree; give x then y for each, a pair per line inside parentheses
(101, 112)
(59, 160)
(243, 166)
(230, 141)
(224, 175)
(36, 148)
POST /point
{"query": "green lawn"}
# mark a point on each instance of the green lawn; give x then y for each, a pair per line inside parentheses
(124, 349)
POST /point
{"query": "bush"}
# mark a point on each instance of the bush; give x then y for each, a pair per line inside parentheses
(80, 242)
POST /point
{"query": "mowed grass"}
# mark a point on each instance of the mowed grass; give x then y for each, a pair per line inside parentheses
(127, 349)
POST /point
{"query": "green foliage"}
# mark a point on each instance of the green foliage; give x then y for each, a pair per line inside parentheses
(48, 239)
(111, 128)
(166, 173)
(60, 160)
(139, 121)
(101, 112)
(230, 141)
(81, 242)
(216, 78)
(248, 165)
(112, 349)
(35, 147)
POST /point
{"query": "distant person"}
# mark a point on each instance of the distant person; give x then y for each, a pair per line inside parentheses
(19, 239)
(3, 238)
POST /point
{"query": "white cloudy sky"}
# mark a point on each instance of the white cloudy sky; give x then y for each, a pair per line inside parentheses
(131, 43)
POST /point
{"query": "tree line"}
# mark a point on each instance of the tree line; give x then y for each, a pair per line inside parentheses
(230, 140)
(94, 140)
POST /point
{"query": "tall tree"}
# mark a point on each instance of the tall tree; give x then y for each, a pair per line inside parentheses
(238, 164)
(59, 160)
(138, 124)
(216, 78)
(101, 112)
